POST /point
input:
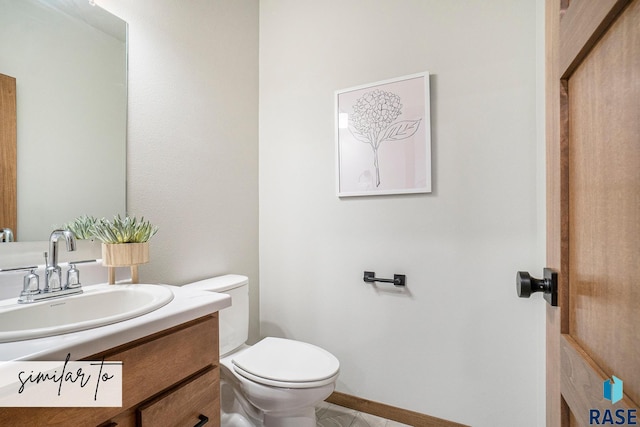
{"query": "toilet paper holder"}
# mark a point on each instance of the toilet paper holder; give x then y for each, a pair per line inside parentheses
(398, 279)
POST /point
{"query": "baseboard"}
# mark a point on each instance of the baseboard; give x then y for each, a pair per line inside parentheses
(400, 415)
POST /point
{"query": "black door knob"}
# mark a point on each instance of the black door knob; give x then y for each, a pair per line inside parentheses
(527, 285)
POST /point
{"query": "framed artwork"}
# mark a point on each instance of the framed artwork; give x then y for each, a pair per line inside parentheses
(383, 137)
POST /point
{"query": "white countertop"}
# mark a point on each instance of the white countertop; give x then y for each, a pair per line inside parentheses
(187, 305)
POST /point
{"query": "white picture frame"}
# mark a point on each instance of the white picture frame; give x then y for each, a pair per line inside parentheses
(383, 137)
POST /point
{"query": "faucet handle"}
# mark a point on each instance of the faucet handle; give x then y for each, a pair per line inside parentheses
(31, 287)
(73, 277)
(31, 284)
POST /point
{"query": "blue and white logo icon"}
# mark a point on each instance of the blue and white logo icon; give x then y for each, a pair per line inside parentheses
(612, 389)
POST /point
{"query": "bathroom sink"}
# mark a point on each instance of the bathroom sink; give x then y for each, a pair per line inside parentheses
(98, 305)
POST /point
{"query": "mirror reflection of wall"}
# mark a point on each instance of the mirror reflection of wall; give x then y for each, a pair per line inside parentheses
(69, 61)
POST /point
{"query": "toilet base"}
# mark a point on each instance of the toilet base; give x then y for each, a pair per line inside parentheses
(235, 420)
(235, 411)
(305, 417)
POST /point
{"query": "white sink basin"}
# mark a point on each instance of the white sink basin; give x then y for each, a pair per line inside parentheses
(98, 305)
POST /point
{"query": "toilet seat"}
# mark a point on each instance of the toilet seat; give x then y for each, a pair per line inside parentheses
(281, 362)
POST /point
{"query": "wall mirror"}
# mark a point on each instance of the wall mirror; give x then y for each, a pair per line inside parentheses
(69, 61)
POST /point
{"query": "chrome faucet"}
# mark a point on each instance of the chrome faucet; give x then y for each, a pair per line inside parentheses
(53, 286)
(6, 235)
(53, 273)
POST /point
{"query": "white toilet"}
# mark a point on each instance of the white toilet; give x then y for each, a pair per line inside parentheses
(274, 383)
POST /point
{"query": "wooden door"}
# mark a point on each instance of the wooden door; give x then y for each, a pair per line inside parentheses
(593, 209)
(8, 146)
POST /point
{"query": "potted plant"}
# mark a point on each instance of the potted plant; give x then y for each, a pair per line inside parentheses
(85, 241)
(81, 227)
(125, 243)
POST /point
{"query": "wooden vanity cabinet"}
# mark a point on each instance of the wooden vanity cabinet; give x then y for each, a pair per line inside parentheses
(170, 378)
(187, 405)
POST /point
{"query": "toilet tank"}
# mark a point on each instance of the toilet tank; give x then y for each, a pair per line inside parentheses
(234, 320)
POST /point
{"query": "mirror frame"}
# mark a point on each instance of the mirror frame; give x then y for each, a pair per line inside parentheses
(8, 154)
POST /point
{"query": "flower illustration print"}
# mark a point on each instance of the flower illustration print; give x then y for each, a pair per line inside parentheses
(374, 121)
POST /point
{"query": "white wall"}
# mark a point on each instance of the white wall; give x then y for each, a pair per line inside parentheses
(192, 157)
(458, 344)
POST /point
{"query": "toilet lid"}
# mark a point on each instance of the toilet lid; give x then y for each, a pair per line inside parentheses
(287, 363)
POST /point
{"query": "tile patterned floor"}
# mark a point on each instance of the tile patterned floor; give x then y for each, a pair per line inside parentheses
(330, 415)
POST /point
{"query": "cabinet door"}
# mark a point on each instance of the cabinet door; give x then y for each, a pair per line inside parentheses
(196, 402)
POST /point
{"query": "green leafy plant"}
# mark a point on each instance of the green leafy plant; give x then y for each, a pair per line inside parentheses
(81, 227)
(123, 230)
